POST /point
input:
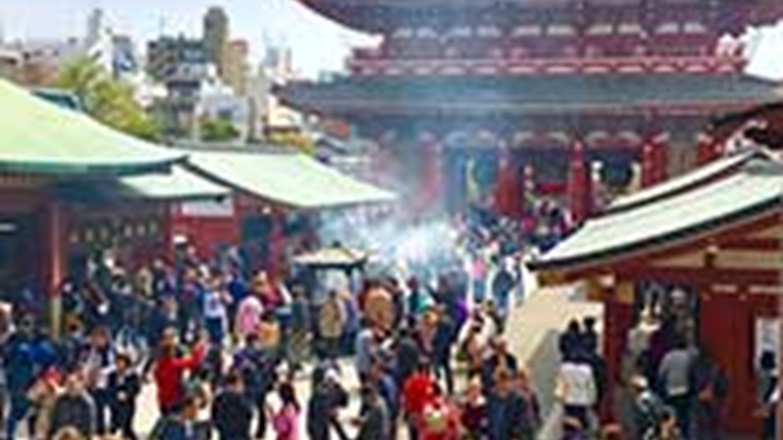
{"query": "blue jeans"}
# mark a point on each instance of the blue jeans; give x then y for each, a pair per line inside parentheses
(19, 408)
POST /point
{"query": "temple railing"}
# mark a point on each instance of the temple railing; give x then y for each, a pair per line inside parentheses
(536, 66)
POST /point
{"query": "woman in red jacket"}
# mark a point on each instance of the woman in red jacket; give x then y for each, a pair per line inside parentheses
(170, 368)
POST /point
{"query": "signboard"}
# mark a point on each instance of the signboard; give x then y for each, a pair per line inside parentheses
(767, 336)
(223, 208)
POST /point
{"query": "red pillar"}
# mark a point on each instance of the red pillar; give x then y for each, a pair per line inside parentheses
(661, 157)
(54, 259)
(654, 161)
(709, 149)
(648, 164)
(578, 176)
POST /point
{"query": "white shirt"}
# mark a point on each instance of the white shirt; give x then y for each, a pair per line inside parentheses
(214, 308)
(578, 384)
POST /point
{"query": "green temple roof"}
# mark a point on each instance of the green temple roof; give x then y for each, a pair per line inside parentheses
(292, 180)
(684, 182)
(178, 184)
(41, 137)
(551, 94)
(755, 190)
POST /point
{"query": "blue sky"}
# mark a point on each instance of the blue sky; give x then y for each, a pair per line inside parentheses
(317, 43)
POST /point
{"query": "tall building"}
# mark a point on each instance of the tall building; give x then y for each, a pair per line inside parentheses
(216, 34)
(235, 65)
(181, 64)
(566, 97)
(166, 54)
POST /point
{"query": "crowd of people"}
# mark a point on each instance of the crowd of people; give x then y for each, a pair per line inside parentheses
(226, 351)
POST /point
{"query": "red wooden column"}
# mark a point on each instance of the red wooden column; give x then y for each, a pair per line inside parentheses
(661, 143)
(578, 185)
(54, 259)
(709, 148)
(654, 160)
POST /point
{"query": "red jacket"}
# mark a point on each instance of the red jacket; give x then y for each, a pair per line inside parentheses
(417, 392)
(169, 376)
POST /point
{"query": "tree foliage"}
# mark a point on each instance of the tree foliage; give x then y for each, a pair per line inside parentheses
(107, 99)
(218, 130)
(294, 140)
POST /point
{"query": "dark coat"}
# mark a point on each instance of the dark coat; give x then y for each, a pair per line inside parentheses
(77, 411)
(232, 414)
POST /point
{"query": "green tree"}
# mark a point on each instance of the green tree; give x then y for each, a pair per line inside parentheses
(294, 140)
(218, 130)
(107, 99)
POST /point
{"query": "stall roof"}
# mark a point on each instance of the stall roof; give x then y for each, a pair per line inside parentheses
(332, 257)
(179, 184)
(688, 180)
(293, 180)
(40, 137)
(754, 190)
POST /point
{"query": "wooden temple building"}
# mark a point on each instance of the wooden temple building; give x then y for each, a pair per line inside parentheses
(571, 95)
(73, 189)
(703, 248)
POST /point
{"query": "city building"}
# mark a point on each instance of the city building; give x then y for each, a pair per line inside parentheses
(277, 68)
(218, 101)
(550, 92)
(167, 54)
(42, 59)
(236, 66)
(11, 64)
(216, 34)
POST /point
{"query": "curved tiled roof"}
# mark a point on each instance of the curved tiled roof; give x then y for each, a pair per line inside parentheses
(530, 94)
(376, 15)
(754, 191)
(42, 137)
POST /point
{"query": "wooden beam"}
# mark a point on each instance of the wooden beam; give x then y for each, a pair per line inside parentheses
(751, 244)
(700, 277)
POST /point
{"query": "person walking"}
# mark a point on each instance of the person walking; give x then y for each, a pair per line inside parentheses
(257, 368)
(674, 374)
(170, 368)
(327, 398)
(576, 389)
(299, 341)
(374, 421)
(711, 388)
(332, 319)
(286, 420)
(124, 387)
(474, 411)
(443, 342)
(232, 412)
(74, 408)
(99, 363)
